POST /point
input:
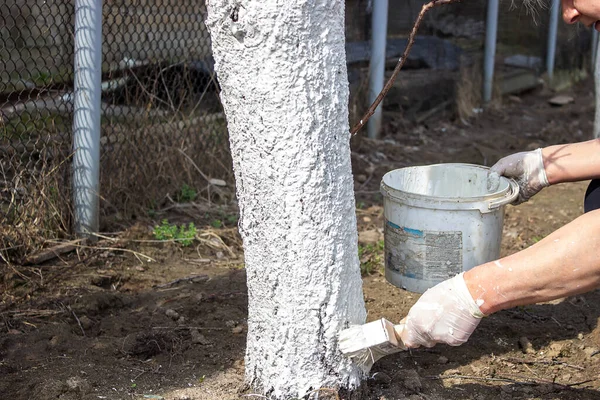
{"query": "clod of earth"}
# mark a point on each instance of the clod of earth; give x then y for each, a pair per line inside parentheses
(412, 381)
(526, 345)
(198, 338)
(174, 315)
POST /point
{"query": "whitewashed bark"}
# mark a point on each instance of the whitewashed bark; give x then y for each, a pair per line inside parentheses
(281, 66)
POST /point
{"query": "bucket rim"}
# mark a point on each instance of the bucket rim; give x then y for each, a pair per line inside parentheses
(488, 197)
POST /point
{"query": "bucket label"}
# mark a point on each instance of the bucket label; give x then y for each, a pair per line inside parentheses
(427, 255)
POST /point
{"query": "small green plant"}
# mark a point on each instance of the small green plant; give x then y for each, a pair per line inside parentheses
(186, 194)
(371, 257)
(536, 239)
(182, 234)
(216, 223)
(232, 219)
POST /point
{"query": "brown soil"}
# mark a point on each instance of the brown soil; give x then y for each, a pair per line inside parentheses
(106, 324)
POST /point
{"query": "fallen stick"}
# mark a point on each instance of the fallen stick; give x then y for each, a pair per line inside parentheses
(193, 278)
(53, 252)
(525, 381)
(544, 362)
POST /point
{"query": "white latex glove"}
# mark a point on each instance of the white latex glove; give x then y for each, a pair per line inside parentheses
(526, 168)
(445, 313)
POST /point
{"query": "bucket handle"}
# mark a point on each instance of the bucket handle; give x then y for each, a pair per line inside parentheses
(514, 193)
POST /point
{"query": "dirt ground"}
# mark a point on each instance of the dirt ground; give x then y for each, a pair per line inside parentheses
(134, 319)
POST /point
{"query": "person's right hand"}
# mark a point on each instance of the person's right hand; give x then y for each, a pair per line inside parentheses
(445, 313)
(526, 168)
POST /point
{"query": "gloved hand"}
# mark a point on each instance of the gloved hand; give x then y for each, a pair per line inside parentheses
(526, 168)
(445, 313)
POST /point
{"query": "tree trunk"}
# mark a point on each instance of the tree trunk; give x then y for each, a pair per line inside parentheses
(282, 69)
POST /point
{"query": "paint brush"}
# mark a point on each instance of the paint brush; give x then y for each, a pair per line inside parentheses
(365, 344)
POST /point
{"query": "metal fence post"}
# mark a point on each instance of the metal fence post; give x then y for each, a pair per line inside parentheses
(491, 29)
(86, 115)
(552, 32)
(377, 63)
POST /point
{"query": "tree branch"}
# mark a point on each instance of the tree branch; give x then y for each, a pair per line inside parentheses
(401, 61)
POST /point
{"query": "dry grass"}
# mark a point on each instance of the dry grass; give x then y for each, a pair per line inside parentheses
(35, 204)
(469, 89)
(145, 167)
(151, 148)
(180, 141)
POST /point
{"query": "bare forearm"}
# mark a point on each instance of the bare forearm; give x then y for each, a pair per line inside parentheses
(564, 263)
(572, 162)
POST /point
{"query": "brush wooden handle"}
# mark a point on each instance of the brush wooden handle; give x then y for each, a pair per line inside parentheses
(398, 329)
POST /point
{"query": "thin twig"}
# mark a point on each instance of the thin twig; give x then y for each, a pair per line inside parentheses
(138, 255)
(400, 64)
(179, 280)
(76, 319)
(116, 240)
(526, 382)
(479, 378)
(31, 313)
(546, 362)
(189, 327)
(195, 166)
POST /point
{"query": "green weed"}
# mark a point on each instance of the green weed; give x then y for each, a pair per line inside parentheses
(181, 234)
(187, 194)
(536, 239)
(371, 258)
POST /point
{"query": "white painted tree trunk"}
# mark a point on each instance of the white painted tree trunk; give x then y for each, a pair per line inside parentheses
(281, 66)
(597, 90)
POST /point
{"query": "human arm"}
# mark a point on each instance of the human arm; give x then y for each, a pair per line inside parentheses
(572, 162)
(534, 170)
(565, 263)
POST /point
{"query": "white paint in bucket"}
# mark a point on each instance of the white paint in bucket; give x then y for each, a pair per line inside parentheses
(441, 220)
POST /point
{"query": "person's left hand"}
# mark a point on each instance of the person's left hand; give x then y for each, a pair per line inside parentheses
(445, 313)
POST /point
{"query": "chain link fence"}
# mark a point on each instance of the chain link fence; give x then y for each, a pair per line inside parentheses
(162, 126)
(163, 131)
(444, 72)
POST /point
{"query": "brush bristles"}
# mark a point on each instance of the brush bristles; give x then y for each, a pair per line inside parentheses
(365, 344)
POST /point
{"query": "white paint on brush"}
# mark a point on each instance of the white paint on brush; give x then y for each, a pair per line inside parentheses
(282, 69)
